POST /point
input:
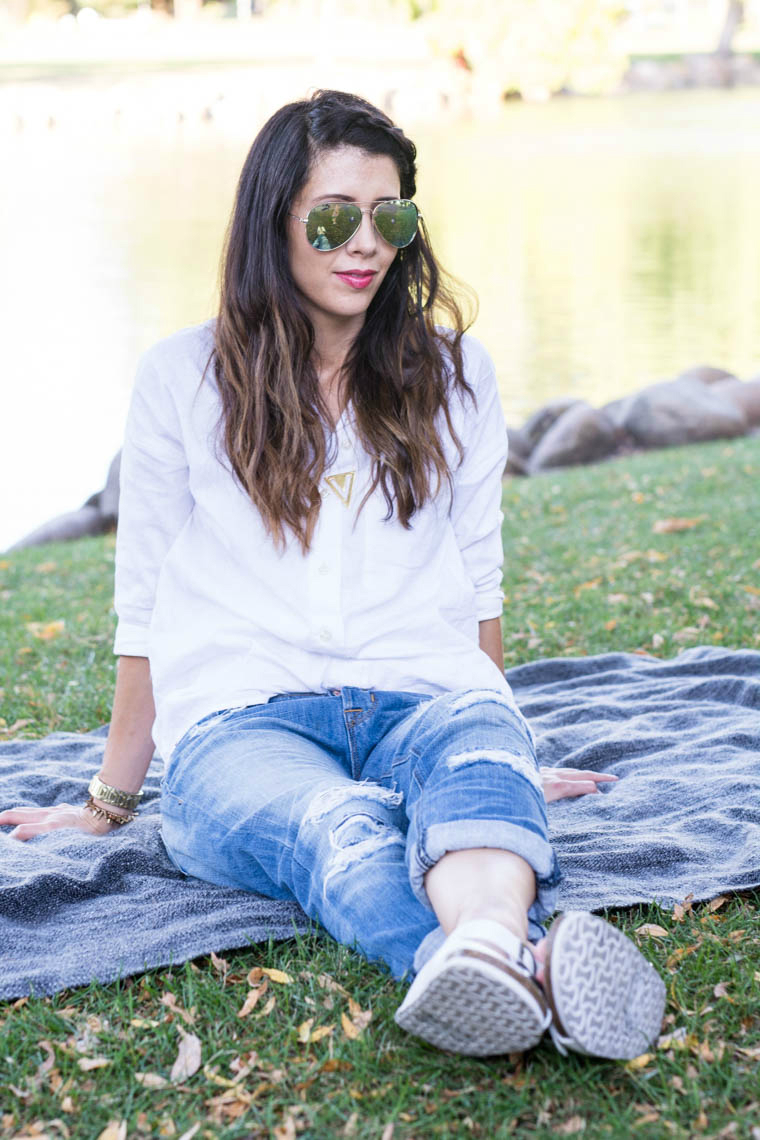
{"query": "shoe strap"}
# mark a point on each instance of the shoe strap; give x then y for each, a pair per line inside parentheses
(484, 936)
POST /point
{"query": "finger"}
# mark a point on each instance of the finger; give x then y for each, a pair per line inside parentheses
(579, 774)
(33, 814)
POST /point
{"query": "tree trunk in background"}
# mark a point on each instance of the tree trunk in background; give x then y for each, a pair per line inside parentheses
(731, 24)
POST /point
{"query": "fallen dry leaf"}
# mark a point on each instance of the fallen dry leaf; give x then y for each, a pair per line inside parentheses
(278, 976)
(115, 1130)
(45, 630)
(170, 1001)
(304, 1029)
(592, 584)
(320, 1032)
(571, 1126)
(680, 910)
(716, 904)
(265, 1012)
(252, 999)
(86, 1064)
(286, 1130)
(190, 1132)
(221, 965)
(639, 1062)
(388, 1132)
(721, 991)
(349, 1028)
(151, 1080)
(188, 1058)
(652, 930)
(671, 526)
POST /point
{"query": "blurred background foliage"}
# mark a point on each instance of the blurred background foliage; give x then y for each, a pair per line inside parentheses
(531, 48)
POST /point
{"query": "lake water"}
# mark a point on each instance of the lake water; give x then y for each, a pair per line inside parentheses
(611, 243)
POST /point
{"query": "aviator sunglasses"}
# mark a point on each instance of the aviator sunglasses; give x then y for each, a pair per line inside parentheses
(331, 224)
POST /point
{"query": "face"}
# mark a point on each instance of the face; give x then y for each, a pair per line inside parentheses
(337, 286)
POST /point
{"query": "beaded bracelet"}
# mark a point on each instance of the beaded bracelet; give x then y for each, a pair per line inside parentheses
(111, 816)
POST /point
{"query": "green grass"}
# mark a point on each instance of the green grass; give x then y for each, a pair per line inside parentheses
(581, 554)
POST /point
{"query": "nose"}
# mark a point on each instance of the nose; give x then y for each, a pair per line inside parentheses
(364, 240)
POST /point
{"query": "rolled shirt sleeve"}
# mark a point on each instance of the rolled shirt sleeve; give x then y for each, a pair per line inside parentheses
(476, 508)
(154, 503)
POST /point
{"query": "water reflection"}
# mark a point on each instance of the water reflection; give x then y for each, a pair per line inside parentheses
(610, 242)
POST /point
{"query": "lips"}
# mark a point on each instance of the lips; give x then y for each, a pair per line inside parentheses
(357, 278)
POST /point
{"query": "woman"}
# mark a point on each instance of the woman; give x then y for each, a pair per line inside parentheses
(308, 589)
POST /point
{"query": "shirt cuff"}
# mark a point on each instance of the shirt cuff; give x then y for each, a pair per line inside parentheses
(131, 640)
(490, 605)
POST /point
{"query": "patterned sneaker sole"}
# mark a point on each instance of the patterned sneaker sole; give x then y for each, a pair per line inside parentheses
(608, 998)
(465, 1011)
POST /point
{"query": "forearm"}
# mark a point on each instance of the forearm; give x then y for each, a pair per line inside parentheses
(489, 638)
(129, 748)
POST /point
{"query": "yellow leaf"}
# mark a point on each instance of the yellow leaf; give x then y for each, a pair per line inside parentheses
(716, 904)
(4, 564)
(278, 976)
(268, 1007)
(304, 1030)
(188, 1058)
(212, 1075)
(221, 965)
(320, 1032)
(254, 976)
(45, 631)
(671, 526)
(349, 1028)
(610, 625)
(143, 1023)
(652, 930)
(88, 1063)
(753, 590)
(639, 1062)
(590, 585)
(46, 567)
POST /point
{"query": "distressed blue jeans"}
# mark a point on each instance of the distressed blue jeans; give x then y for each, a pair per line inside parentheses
(343, 801)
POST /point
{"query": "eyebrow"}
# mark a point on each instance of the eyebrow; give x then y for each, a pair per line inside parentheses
(347, 198)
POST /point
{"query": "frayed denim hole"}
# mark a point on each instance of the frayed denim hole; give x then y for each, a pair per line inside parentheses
(355, 839)
(520, 765)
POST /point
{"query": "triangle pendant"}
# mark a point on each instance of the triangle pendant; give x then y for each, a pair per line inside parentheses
(342, 485)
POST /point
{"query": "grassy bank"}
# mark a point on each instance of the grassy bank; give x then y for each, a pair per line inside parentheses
(650, 554)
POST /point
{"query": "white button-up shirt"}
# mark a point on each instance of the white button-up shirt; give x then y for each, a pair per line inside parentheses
(228, 620)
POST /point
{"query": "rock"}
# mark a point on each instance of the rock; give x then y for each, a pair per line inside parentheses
(582, 434)
(74, 524)
(682, 411)
(617, 410)
(706, 374)
(743, 394)
(518, 444)
(108, 500)
(537, 425)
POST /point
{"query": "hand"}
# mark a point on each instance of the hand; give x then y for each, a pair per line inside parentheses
(562, 783)
(31, 821)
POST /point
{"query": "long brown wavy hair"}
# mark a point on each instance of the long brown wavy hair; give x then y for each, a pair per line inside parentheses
(400, 372)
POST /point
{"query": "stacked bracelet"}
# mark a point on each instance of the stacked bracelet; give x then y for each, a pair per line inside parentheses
(111, 816)
(110, 795)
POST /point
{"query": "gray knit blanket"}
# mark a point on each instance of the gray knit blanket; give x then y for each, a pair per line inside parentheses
(684, 819)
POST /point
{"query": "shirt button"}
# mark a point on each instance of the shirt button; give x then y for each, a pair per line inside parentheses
(324, 569)
(325, 635)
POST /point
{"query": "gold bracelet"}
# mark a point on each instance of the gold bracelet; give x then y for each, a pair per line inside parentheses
(111, 816)
(111, 795)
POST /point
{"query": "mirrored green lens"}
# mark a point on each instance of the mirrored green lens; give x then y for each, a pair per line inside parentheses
(396, 221)
(332, 225)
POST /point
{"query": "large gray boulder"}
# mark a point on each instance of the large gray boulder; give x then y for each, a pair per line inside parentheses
(706, 374)
(682, 411)
(743, 394)
(537, 425)
(581, 435)
(517, 459)
(74, 524)
(96, 516)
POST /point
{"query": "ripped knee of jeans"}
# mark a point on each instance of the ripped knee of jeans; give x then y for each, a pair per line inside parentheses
(520, 765)
(359, 822)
